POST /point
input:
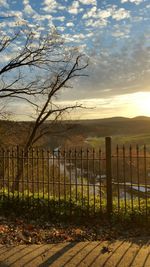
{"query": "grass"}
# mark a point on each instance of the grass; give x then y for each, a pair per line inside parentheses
(74, 209)
(140, 139)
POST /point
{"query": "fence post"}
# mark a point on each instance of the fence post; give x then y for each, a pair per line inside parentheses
(108, 175)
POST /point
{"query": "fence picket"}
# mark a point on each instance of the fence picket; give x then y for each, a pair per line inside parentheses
(108, 175)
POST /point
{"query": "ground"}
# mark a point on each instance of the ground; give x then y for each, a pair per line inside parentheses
(117, 253)
(36, 243)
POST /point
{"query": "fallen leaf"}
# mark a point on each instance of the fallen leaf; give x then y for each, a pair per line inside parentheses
(78, 231)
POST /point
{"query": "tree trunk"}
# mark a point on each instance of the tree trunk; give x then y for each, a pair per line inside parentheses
(22, 160)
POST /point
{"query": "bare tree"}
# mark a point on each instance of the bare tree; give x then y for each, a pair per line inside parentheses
(47, 109)
(24, 54)
(36, 65)
(37, 72)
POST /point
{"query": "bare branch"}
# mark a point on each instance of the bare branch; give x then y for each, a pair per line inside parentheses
(57, 64)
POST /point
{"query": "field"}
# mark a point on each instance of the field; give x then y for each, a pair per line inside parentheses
(79, 133)
(127, 140)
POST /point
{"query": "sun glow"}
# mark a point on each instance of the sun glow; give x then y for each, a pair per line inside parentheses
(142, 103)
(127, 105)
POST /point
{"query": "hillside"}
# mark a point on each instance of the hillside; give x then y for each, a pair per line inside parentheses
(13, 133)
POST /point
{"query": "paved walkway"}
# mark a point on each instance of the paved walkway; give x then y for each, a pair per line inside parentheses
(117, 253)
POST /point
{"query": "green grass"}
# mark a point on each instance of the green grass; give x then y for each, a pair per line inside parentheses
(37, 207)
(139, 139)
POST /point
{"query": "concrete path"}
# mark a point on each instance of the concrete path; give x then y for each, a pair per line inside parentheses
(117, 253)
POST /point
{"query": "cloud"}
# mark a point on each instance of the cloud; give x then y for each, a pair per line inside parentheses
(120, 14)
(50, 5)
(28, 8)
(98, 13)
(88, 2)
(95, 24)
(60, 18)
(61, 28)
(121, 71)
(38, 20)
(75, 38)
(44, 17)
(69, 24)
(59, 7)
(100, 18)
(74, 8)
(5, 57)
(119, 62)
(15, 21)
(121, 32)
(20, 110)
(90, 13)
(103, 14)
(3, 3)
(128, 105)
(137, 2)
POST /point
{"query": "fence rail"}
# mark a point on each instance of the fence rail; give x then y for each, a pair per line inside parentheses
(114, 179)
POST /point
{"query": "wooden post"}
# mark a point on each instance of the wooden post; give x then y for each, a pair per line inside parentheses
(108, 175)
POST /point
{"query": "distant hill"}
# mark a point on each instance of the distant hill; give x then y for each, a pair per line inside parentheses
(93, 121)
(141, 118)
(12, 133)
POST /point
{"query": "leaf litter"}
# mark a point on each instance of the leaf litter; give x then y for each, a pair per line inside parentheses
(16, 231)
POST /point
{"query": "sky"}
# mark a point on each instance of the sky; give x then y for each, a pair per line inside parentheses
(113, 34)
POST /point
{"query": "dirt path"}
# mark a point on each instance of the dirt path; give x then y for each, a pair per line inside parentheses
(117, 253)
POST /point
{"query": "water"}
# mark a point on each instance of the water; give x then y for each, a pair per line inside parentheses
(74, 175)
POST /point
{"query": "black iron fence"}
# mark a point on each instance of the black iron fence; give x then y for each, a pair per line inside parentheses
(112, 179)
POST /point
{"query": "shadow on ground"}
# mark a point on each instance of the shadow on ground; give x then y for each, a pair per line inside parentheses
(116, 253)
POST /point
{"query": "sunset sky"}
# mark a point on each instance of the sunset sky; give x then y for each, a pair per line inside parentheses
(113, 34)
